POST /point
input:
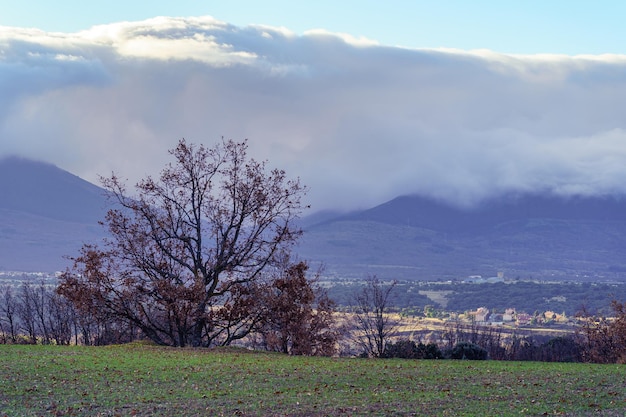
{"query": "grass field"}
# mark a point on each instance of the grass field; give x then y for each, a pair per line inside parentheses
(140, 380)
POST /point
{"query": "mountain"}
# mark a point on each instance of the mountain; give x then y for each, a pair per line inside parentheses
(423, 212)
(529, 235)
(46, 214)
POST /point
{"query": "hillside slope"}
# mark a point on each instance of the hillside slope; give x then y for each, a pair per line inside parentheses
(46, 214)
(539, 236)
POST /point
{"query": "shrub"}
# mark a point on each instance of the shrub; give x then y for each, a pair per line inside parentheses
(561, 349)
(408, 349)
(429, 351)
(604, 339)
(469, 351)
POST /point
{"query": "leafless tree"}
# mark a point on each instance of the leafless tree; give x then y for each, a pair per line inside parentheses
(60, 318)
(187, 245)
(39, 298)
(374, 326)
(604, 339)
(8, 308)
(26, 312)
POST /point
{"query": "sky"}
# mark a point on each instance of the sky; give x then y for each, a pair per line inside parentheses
(363, 101)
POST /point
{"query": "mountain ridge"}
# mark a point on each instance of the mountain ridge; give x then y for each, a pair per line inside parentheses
(522, 235)
(46, 214)
(434, 214)
(43, 189)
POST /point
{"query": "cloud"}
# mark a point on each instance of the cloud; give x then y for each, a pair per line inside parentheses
(358, 122)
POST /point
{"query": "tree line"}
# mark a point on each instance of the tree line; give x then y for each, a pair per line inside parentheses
(201, 256)
(598, 339)
(34, 313)
(566, 297)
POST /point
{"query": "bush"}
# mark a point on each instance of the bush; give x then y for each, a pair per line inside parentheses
(408, 349)
(469, 351)
(604, 340)
(561, 349)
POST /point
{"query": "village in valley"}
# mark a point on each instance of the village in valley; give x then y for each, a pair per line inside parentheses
(433, 304)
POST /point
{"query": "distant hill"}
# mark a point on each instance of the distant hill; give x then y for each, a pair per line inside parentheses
(46, 213)
(42, 189)
(427, 213)
(538, 236)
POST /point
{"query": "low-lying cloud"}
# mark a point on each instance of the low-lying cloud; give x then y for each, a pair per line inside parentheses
(358, 122)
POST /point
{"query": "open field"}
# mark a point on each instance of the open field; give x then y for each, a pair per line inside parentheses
(145, 380)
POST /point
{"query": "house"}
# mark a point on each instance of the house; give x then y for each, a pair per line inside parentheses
(478, 279)
(551, 315)
(496, 319)
(523, 319)
(509, 315)
(482, 314)
(474, 279)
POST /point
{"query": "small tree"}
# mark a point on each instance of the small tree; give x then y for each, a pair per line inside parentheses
(187, 248)
(469, 351)
(561, 349)
(60, 318)
(297, 314)
(374, 326)
(9, 310)
(40, 299)
(604, 340)
(26, 312)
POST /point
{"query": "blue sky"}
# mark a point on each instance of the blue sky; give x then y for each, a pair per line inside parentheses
(460, 101)
(520, 27)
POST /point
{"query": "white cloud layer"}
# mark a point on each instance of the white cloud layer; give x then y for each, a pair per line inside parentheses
(358, 122)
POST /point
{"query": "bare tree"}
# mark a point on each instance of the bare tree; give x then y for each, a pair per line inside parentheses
(374, 326)
(60, 318)
(9, 308)
(40, 295)
(187, 245)
(26, 311)
(604, 339)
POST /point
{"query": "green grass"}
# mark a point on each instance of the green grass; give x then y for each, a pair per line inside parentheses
(152, 381)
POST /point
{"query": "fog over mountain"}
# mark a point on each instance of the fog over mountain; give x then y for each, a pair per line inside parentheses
(359, 122)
